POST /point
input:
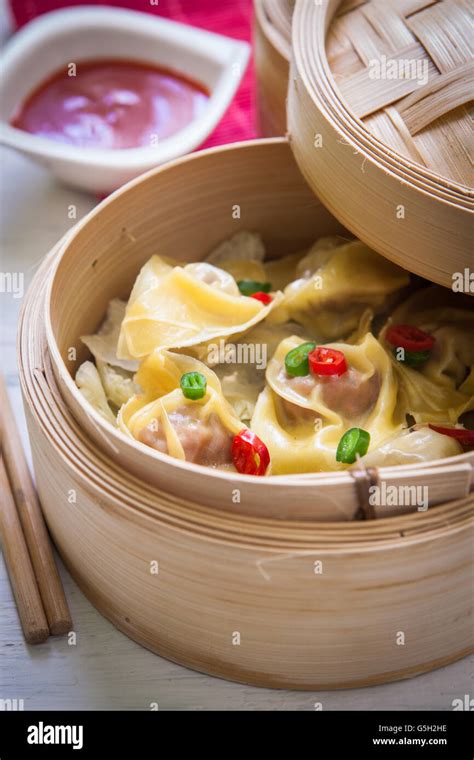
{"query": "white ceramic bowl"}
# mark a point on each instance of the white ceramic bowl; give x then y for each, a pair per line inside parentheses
(77, 34)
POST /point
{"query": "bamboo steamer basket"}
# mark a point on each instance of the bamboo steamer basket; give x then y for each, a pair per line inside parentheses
(266, 591)
(100, 261)
(388, 158)
(272, 40)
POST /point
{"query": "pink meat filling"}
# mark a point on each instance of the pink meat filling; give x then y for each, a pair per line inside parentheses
(349, 394)
(204, 442)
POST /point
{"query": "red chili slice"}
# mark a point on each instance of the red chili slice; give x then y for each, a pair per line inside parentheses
(465, 437)
(410, 338)
(327, 361)
(263, 297)
(249, 453)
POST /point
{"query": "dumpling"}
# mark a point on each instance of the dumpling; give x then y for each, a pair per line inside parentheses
(280, 272)
(302, 419)
(449, 317)
(117, 383)
(319, 253)
(115, 375)
(241, 364)
(199, 431)
(412, 447)
(150, 276)
(336, 285)
(242, 256)
(427, 401)
(160, 373)
(103, 345)
(90, 385)
(244, 245)
(441, 389)
(193, 431)
(283, 270)
(183, 309)
(211, 275)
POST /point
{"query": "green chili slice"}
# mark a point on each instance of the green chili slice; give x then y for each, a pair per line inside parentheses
(416, 359)
(354, 442)
(249, 287)
(296, 360)
(193, 385)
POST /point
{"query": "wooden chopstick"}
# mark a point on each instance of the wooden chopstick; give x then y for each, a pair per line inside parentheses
(31, 520)
(22, 576)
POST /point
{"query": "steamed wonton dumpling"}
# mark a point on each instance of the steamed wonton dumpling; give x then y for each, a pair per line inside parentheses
(243, 246)
(103, 345)
(90, 385)
(117, 383)
(186, 306)
(194, 431)
(243, 362)
(199, 431)
(336, 285)
(412, 447)
(242, 256)
(443, 388)
(302, 419)
(284, 270)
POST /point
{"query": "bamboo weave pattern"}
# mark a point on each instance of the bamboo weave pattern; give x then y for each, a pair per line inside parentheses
(420, 108)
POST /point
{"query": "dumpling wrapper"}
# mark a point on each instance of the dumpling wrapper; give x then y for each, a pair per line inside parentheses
(160, 373)
(302, 423)
(285, 270)
(428, 401)
(243, 246)
(337, 285)
(412, 447)
(90, 385)
(241, 256)
(319, 253)
(150, 276)
(443, 388)
(103, 345)
(199, 431)
(181, 310)
(243, 364)
(117, 383)
(301, 420)
(214, 276)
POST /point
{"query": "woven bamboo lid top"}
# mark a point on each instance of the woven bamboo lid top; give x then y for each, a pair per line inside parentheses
(406, 69)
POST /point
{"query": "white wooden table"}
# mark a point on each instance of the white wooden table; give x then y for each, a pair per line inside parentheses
(106, 670)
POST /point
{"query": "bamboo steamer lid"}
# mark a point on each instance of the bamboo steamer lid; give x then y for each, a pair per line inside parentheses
(429, 124)
(386, 151)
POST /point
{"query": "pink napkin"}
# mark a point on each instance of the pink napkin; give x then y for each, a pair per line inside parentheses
(230, 17)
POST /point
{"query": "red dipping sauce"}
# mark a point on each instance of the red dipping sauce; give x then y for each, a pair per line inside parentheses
(112, 104)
